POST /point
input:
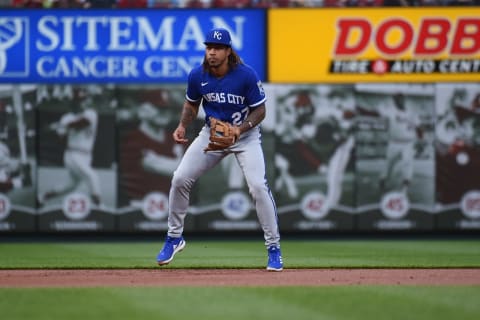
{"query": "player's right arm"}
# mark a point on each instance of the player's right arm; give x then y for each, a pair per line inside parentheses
(61, 126)
(189, 114)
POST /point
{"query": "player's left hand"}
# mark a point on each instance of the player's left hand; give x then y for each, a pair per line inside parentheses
(222, 135)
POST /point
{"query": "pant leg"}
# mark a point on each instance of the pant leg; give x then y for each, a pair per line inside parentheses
(251, 159)
(194, 163)
(336, 172)
(408, 158)
(85, 171)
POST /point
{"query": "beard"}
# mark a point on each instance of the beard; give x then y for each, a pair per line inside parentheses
(215, 62)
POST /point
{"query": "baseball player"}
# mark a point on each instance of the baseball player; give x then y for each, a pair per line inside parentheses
(316, 137)
(233, 99)
(404, 130)
(294, 156)
(10, 173)
(343, 111)
(79, 127)
(148, 156)
(457, 154)
(14, 173)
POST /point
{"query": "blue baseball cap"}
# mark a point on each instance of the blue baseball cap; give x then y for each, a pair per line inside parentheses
(218, 36)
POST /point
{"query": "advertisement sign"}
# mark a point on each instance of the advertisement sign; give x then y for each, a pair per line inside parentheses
(124, 46)
(374, 45)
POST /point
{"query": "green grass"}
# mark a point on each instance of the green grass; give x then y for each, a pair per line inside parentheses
(357, 302)
(245, 254)
(210, 303)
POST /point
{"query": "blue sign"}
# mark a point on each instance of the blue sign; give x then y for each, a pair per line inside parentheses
(120, 46)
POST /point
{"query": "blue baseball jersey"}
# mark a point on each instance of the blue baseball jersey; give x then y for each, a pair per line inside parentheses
(228, 98)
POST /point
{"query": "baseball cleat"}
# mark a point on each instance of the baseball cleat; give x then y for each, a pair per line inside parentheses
(275, 261)
(170, 248)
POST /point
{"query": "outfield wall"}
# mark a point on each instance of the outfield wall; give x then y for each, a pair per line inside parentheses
(336, 158)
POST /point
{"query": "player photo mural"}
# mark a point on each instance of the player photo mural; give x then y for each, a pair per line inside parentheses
(457, 152)
(314, 181)
(394, 156)
(146, 118)
(17, 158)
(76, 172)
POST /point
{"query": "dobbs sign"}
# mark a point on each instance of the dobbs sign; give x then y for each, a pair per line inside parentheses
(372, 45)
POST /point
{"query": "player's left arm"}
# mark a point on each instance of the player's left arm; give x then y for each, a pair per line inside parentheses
(254, 118)
(83, 120)
(255, 99)
(79, 123)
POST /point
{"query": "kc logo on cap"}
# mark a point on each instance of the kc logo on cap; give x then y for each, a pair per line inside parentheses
(218, 36)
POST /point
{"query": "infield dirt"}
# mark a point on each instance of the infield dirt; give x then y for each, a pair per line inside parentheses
(236, 277)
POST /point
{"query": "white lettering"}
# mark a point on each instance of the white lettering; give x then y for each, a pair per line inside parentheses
(191, 32)
(360, 66)
(98, 67)
(68, 44)
(232, 98)
(156, 66)
(45, 28)
(413, 66)
(121, 27)
(215, 97)
(146, 34)
(459, 66)
(70, 33)
(92, 30)
(75, 225)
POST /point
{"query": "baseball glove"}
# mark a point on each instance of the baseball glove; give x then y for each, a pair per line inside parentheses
(222, 135)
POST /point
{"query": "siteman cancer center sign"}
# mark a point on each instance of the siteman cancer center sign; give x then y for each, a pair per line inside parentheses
(116, 46)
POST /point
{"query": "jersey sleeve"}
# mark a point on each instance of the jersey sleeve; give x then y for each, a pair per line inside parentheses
(255, 95)
(66, 119)
(193, 93)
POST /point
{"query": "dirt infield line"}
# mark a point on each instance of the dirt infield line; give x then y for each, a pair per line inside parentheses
(236, 277)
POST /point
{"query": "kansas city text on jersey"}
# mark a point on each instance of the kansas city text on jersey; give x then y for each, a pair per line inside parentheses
(222, 97)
